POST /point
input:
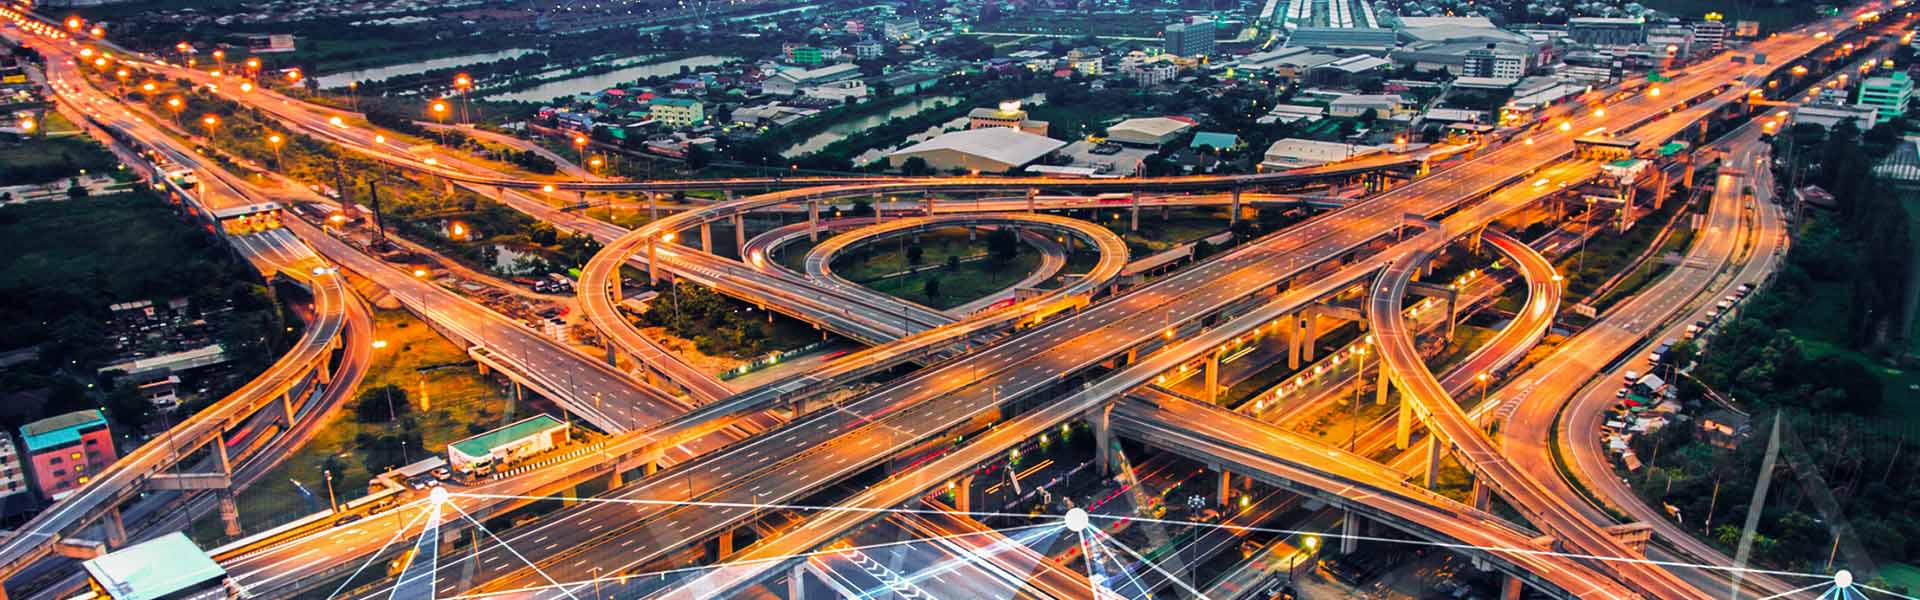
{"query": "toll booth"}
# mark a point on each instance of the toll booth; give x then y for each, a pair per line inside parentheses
(249, 219)
(1604, 148)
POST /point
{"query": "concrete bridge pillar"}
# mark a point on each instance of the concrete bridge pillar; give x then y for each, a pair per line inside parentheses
(1660, 189)
(617, 479)
(1031, 193)
(1133, 223)
(1350, 532)
(1102, 422)
(653, 266)
(1212, 374)
(739, 236)
(1233, 215)
(796, 582)
(580, 198)
(1510, 588)
(1433, 458)
(813, 220)
(613, 355)
(706, 236)
(1224, 493)
(1310, 328)
(323, 373)
(286, 407)
(1290, 325)
(726, 545)
(617, 288)
(653, 206)
(927, 200)
(1403, 429)
(1686, 177)
(1482, 496)
(222, 460)
(229, 513)
(1380, 393)
(116, 529)
(963, 495)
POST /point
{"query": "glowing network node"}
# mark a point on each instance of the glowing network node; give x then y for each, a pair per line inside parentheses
(1843, 579)
(1077, 520)
(438, 495)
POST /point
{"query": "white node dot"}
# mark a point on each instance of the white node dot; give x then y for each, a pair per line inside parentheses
(1843, 579)
(438, 495)
(1076, 520)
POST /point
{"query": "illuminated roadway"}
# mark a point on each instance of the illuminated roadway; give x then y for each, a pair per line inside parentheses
(125, 477)
(1574, 384)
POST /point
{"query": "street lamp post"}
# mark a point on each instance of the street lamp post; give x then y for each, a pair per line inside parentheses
(439, 109)
(580, 143)
(462, 82)
(333, 505)
(211, 122)
(175, 104)
(1483, 387)
(274, 140)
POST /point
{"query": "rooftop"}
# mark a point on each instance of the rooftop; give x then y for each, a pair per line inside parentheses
(60, 430)
(999, 144)
(483, 444)
(154, 569)
(1151, 126)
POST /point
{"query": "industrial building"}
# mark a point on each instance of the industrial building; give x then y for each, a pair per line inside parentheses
(987, 150)
(522, 439)
(169, 567)
(1150, 131)
(1190, 39)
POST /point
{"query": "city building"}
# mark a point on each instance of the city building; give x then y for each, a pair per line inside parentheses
(1190, 39)
(1350, 71)
(1343, 24)
(678, 112)
(518, 441)
(1830, 115)
(987, 150)
(1357, 105)
(1217, 140)
(1009, 115)
(66, 450)
(907, 82)
(1670, 40)
(1606, 31)
(1746, 29)
(1492, 61)
(900, 30)
(1294, 153)
(805, 55)
(1150, 131)
(1711, 34)
(169, 567)
(790, 82)
(14, 499)
(868, 49)
(1888, 95)
(1149, 75)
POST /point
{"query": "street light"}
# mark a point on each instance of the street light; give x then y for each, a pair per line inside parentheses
(462, 82)
(333, 505)
(210, 121)
(274, 140)
(439, 109)
(1483, 386)
(175, 104)
(580, 143)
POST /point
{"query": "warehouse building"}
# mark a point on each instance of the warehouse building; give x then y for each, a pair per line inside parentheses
(987, 150)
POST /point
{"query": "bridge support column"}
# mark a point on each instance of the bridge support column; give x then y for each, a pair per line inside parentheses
(1349, 533)
(739, 237)
(116, 529)
(653, 266)
(1380, 394)
(1102, 422)
(963, 495)
(617, 479)
(286, 408)
(653, 206)
(927, 201)
(813, 221)
(1660, 189)
(1133, 223)
(796, 582)
(1212, 374)
(726, 545)
(1433, 459)
(1291, 325)
(1233, 216)
(1310, 328)
(1224, 493)
(1031, 192)
(613, 355)
(706, 236)
(323, 373)
(1482, 497)
(1510, 588)
(229, 513)
(1686, 177)
(1403, 429)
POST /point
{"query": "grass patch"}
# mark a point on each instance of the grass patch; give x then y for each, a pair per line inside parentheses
(459, 402)
(50, 158)
(1156, 235)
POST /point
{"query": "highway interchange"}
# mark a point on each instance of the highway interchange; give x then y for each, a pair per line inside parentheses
(1018, 377)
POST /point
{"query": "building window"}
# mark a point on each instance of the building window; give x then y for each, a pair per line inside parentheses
(55, 460)
(80, 468)
(83, 479)
(59, 472)
(76, 456)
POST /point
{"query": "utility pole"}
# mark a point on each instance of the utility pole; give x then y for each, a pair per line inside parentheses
(373, 199)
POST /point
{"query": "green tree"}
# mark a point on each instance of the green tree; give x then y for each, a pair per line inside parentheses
(382, 404)
(932, 288)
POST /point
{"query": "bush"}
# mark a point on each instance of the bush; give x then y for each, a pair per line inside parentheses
(382, 404)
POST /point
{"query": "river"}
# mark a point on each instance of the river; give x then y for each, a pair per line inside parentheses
(340, 80)
(840, 131)
(593, 83)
